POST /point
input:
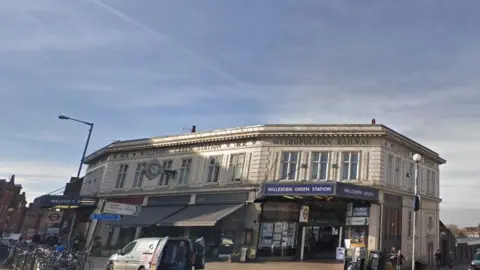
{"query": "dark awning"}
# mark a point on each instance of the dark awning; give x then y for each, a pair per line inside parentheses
(200, 215)
(147, 216)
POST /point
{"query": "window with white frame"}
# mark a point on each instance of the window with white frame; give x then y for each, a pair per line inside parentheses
(289, 163)
(320, 165)
(434, 183)
(121, 176)
(420, 180)
(350, 165)
(184, 171)
(139, 175)
(398, 165)
(213, 169)
(429, 178)
(166, 177)
(237, 163)
(411, 175)
(390, 170)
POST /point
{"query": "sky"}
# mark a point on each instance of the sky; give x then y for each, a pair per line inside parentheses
(153, 67)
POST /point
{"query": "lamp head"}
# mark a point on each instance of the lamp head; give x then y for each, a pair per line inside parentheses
(417, 157)
(63, 117)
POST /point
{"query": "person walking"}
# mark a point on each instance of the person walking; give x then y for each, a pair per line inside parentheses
(393, 258)
(438, 259)
(399, 261)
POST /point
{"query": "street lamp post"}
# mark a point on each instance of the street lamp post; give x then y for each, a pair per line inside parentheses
(416, 205)
(74, 217)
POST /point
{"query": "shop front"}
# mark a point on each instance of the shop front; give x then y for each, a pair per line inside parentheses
(219, 218)
(310, 221)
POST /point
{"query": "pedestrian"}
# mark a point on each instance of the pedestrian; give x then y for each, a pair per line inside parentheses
(399, 261)
(438, 259)
(181, 256)
(393, 258)
(451, 260)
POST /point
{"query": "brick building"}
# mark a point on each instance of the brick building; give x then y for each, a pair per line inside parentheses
(31, 221)
(12, 205)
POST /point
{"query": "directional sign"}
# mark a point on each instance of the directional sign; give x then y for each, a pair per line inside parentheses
(104, 217)
(121, 209)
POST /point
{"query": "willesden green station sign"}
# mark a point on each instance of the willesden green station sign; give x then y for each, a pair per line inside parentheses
(322, 141)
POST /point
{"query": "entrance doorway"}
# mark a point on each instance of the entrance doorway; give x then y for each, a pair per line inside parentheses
(321, 241)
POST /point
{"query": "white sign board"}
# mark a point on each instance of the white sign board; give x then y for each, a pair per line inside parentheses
(340, 254)
(356, 221)
(304, 212)
(121, 209)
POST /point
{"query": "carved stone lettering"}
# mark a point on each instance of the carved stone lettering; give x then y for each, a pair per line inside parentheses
(322, 141)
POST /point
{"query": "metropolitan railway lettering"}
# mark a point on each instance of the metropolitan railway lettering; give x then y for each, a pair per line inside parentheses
(322, 141)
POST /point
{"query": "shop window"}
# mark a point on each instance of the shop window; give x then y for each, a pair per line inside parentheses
(139, 175)
(289, 163)
(358, 236)
(213, 169)
(184, 171)
(165, 177)
(237, 162)
(320, 165)
(350, 165)
(277, 239)
(122, 175)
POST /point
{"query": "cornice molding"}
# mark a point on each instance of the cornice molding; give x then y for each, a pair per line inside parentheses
(261, 133)
(178, 191)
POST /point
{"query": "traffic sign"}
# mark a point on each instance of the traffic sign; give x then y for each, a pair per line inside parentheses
(121, 209)
(104, 217)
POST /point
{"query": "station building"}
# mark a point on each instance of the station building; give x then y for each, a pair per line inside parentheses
(265, 185)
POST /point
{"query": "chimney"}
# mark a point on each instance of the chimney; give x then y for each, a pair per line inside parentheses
(12, 179)
(374, 121)
(194, 129)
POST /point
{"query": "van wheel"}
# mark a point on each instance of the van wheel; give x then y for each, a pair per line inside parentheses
(141, 268)
(110, 266)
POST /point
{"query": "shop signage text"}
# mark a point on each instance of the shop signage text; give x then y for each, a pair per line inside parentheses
(361, 211)
(322, 141)
(325, 189)
(185, 149)
(301, 189)
(356, 192)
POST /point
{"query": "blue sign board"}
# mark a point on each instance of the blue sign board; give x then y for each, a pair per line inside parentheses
(104, 217)
(298, 189)
(356, 192)
(321, 189)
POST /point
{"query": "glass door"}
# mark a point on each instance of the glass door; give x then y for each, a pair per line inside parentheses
(321, 242)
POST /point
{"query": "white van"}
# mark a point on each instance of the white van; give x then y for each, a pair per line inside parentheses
(155, 253)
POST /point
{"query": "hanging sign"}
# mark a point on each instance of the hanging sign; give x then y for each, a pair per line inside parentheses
(304, 212)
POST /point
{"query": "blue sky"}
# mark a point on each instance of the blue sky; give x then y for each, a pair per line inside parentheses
(146, 68)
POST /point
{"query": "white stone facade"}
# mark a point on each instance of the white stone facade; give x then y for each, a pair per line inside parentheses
(247, 157)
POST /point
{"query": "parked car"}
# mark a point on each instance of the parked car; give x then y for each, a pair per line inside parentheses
(159, 254)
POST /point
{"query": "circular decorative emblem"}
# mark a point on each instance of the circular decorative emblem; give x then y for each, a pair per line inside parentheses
(430, 223)
(153, 169)
(54, 216)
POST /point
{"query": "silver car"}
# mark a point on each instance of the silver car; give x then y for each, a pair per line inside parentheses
(159, 253)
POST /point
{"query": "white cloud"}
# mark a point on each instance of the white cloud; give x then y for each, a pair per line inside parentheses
(43, 137)
(37, 178)
(56, 25)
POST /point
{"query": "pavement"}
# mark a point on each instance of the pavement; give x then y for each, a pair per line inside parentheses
(99, 264)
